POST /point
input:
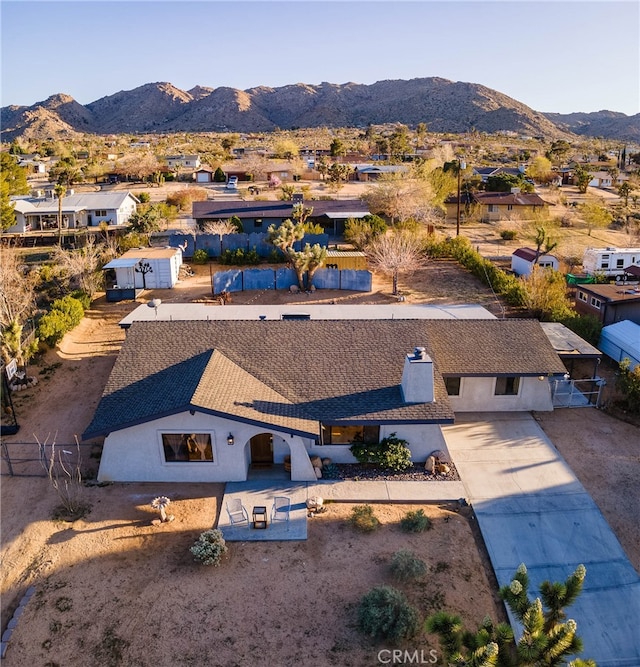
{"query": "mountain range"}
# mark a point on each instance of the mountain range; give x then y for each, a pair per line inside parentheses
(445, 106)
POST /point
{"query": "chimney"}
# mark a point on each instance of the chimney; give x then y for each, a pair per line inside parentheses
(417, 377)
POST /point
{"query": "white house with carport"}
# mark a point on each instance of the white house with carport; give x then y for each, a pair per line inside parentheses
(79, 210)
(206, 399)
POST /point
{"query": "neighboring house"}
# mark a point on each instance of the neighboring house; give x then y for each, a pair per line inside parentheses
(87, 209)
(233, 393)
(183, 161)
(609, 303)
(496, 206)
(601, 179)
(524, 259)
(256, 216)
(621, 341)
(372, 172)
(203, 175)
(485, 172)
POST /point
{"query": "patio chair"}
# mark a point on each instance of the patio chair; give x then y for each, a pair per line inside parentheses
(236, 511)
(280, 509)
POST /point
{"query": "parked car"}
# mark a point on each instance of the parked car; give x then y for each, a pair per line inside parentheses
(232, 183)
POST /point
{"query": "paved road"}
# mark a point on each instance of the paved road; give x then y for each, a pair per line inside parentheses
(532, 509)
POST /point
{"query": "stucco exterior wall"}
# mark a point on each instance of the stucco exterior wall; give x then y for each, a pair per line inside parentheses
(136, 454)
(477, 395)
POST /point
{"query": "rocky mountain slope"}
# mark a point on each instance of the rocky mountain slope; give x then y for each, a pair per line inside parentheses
(445, 106)
(607, 124)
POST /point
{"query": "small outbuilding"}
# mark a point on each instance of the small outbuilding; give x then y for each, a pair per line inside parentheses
(144, 268)
(524, 259)
(621, 340)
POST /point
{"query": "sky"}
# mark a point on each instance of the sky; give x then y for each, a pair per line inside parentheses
(553, 55)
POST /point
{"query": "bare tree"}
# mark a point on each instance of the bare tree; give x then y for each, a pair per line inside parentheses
(84, 265)
(65, 476)
(17, 289)
(395, 254)
(400, 198)
(221, 227)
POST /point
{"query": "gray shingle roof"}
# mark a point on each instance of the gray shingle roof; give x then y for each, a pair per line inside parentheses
(493, 347)
(295, 374)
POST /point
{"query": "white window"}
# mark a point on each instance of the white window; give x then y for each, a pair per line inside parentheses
(582, 296)
(596, 303)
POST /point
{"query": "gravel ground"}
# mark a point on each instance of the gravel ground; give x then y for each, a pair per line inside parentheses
(416, 473)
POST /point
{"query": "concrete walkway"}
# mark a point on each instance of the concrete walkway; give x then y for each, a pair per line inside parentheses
(532, 509)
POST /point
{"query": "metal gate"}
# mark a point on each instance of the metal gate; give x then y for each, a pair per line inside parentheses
(569, 393)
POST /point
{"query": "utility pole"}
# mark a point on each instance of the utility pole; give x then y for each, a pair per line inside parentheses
(461, 165)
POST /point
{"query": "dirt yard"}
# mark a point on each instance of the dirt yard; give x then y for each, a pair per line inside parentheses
(112, 589)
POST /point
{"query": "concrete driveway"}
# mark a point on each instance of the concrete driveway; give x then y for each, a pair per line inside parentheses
(532, 509)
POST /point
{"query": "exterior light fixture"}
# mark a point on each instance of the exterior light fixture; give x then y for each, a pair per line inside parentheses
(230, 439)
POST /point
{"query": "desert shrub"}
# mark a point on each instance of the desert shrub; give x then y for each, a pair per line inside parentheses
(239, 257)
(385, 613)
(182, 199)
(144, 197)
(71, 307)
(588, 327)
(330, 471)
(82, 297)
(406, 566)
(210, 547)
(415, 522)
(508, 234)
(53, 326)
(200, 256)
(628, 382)
(364, 452)
(363, 519)
(393, 453)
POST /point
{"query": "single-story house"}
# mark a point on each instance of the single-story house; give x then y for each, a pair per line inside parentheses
(84, 209)
(372, 172)
(144, 268)
(609, 303)
(495, 206)
(204, 400)
(524, 259)
(621, 341)
(256, 216)
(485, 172)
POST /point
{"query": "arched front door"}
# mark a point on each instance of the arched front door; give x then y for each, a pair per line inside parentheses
(262, 450)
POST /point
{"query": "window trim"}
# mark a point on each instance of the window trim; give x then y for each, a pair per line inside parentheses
(595, 302)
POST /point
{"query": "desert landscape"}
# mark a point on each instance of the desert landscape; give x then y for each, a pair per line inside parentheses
(113, 589)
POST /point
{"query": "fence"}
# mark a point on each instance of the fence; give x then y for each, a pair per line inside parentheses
(238, 280)
(30, 459)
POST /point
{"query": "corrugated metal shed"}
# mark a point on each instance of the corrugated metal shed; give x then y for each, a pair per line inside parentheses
(621, 340)
(349, 259)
